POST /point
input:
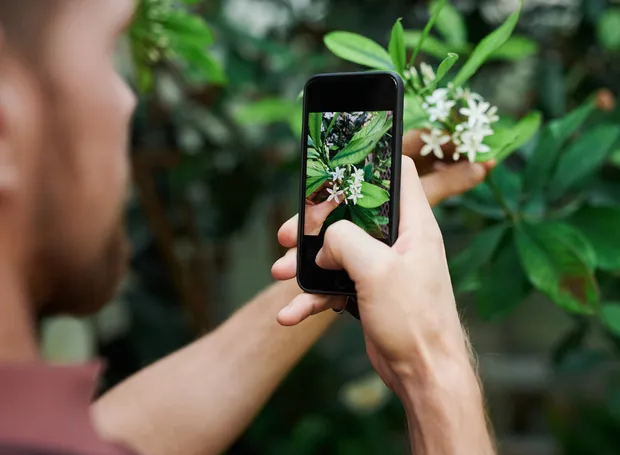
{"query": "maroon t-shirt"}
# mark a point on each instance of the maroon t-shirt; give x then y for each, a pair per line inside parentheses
(45, 410)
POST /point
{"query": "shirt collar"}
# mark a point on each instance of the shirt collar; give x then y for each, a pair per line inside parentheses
(49, 406)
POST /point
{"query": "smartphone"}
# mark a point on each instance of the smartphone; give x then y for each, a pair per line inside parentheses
(351, 158)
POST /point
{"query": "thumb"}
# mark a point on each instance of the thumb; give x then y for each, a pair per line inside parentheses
(348, 247)
(316, 215)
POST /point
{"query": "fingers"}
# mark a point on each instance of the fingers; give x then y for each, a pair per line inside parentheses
(412, 144)
(285, 268)
(316, 215)
(452, 180)
(287, 235)
(348, 247)
(306, 305)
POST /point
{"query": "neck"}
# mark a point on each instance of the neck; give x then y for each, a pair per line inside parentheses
(17, 335)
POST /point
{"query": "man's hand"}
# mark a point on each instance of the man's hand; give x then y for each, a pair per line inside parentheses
(411, 325)
(439, 182)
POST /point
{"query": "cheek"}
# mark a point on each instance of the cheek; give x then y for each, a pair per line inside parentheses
(96, 111)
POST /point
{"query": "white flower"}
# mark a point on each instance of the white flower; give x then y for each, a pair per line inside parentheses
(455, 156)
(471, 144)
(458, 92)
(337, 174)
(492, 114)
(440, 111)
(357, 174)
(476, 112)
(438, 105)
(412, 74)
(355, 185)
(480, 131)
(335, 193)
(439, 95)
(356, 193)
(427, 73)
(433, 142)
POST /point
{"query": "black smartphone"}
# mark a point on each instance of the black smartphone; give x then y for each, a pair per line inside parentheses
(351, 157)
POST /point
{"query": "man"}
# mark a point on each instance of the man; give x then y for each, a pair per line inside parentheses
(64, 116)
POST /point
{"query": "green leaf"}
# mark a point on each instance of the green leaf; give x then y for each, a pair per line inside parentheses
(486, 47)
(368, 172)
(414, 117)
(558, 262)
(610, 316)
(601, 227)
(358, 49)
(503, 285)
(479, 252)
(187, 27)
(512, 139)
(313, 154)
(314, 168)
(382, 220)
(397, 48)
(296, 121)
(314, 183)
(265, 111)
(431, 45)
(363, 142)
(374, 196)
(332, 123)
(583, 158)
(376, 124)
(444, 67)
(200, 65)
(608, 29)
(516, 48)
(552, 140)
(315, 120)
(365, 219)
(509, 184)
(427, 29)
(451, 25)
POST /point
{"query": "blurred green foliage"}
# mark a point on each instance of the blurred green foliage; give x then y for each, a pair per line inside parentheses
(223, 99)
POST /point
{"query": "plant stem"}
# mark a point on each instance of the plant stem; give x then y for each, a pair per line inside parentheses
(497, 192)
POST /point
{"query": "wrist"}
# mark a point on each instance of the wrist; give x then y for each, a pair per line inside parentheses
(445, 410)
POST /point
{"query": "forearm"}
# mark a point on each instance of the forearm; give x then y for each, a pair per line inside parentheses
(198, 400)
(446, 414)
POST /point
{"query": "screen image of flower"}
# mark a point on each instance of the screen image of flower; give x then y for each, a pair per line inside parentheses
(348, 171)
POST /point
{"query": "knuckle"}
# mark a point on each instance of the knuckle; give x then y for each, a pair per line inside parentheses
(336, 231)
(384, 269)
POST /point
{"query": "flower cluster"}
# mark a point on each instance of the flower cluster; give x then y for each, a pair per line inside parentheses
(455, 115)
(346, 187)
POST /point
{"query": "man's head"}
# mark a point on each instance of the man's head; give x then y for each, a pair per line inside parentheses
(64, 118)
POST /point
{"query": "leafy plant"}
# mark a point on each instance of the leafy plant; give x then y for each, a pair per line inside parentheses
(165, 31)
(548, 237)
(452, 113)
(347, 155)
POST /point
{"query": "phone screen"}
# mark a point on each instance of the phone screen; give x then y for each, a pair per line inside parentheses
(349, 171)
(351, 167)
